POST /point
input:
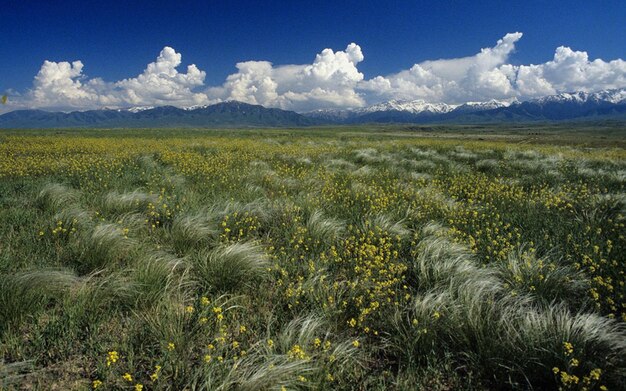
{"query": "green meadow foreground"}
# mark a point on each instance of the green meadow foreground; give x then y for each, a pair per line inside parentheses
(291, 260)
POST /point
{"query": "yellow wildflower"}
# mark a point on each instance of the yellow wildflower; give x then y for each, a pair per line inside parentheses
(112, 358)
(296, 352)
(595, 373)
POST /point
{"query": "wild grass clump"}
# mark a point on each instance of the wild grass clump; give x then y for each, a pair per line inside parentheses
(75, 216)
(229, 268)
(25, 293)
(487, 165)
(324, 229)
(55, 196)
(439, 261)
(542, 278)
(156, 275)
(94, 297)
(368, 155)
(107, 245)
(190, 232)
(134, 201)
(386, 224)
(309, 337)
(260, 372)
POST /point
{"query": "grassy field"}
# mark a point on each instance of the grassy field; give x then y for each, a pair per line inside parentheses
(335, 259)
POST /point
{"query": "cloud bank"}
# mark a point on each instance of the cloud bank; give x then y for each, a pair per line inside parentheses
(332, 80)
(61, 85)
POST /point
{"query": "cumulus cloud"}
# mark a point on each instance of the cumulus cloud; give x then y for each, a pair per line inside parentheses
(62, 85)
(162, 84)
(488, 75)
(569, 71)
(59, 84)
(332, 80)
(455, 80)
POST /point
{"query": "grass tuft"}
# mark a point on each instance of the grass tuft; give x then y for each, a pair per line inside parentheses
(229, 268)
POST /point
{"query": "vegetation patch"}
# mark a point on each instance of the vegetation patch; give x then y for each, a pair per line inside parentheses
(268, 260)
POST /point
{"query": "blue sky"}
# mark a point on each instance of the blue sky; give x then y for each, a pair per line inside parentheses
(116, 40)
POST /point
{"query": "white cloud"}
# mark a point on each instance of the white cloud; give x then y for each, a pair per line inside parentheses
(62, 85)
(58, 84)
(162, 84)
(569, 71)
(452, 80)
(488, 75)
(332, 80)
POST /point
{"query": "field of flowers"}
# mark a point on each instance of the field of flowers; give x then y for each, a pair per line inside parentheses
(273, 260)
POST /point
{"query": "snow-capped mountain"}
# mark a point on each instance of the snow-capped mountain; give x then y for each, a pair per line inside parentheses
(137, 109)
(413, 106)
(554, 107)
(404, 109)
(569, 105)
(195, 107)
(616, 96)
(481, 106)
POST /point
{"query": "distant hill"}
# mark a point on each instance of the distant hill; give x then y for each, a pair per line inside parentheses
(565, 106)
(609, 104)
(227, 114)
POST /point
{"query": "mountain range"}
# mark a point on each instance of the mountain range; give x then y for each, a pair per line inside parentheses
(564, 106)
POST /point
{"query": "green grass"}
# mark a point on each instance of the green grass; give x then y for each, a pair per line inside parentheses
(374, 258)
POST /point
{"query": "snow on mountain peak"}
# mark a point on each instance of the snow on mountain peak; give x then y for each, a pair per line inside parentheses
(614, 96)
(137, 109)
(488, 105)
(414, 106)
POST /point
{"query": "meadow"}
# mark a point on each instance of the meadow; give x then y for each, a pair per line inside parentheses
(351, 259)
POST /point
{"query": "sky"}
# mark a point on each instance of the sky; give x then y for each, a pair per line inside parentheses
(80, 55)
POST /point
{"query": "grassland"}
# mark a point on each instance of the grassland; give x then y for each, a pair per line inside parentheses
(338, 259)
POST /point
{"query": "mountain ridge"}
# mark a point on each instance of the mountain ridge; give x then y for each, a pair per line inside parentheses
(563, 106)
(224, 114)
(230, 114)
